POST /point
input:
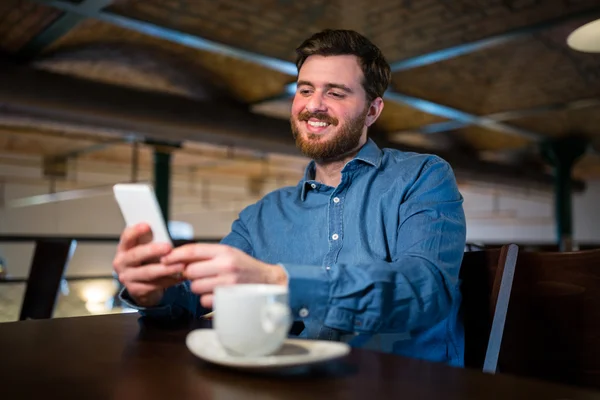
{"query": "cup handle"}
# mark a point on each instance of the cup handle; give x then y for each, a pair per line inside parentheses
(275, 316)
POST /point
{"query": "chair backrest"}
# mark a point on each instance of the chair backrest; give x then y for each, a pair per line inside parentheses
(553, 327)
(486, 281)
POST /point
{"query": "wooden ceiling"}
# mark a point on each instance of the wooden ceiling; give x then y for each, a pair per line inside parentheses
(517, 70)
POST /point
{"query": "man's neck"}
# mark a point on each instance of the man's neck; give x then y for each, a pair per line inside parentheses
(330, 172)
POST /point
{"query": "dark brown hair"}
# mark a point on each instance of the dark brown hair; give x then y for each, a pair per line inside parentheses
(375, 68)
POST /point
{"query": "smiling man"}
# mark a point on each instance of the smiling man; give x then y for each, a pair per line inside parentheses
(369, 242)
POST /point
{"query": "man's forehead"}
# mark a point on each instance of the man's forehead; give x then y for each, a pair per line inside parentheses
(347, 61)
(326, 70)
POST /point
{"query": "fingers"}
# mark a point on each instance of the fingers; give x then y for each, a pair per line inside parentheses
(141, 254)
(195, 252)
(147, 284)
(203, 269)
(208, 285)
(131, 236)
(151, 273)
(207, 300)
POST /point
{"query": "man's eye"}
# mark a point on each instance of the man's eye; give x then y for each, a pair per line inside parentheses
(336, 94)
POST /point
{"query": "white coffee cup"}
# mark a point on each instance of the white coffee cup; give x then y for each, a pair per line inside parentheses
(251, 319)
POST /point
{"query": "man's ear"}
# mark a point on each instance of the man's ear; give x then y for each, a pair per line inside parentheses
(375, 110)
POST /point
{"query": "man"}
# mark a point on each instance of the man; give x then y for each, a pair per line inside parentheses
(369, 242)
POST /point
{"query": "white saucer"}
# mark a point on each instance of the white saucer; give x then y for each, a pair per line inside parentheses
(204, 344)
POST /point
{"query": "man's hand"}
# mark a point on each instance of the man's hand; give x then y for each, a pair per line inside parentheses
(136, 264)
(211, 265)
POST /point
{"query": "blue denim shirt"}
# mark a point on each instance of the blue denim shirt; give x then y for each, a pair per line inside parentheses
(378, 255)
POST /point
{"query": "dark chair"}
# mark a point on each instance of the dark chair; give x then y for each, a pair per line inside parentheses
(486, 280)
(50, 261)
(552, 330)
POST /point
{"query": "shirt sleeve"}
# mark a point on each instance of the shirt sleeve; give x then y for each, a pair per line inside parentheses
(177, 302)
(413, 291)
(239, 237)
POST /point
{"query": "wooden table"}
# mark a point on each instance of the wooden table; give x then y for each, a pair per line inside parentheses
(125, 357)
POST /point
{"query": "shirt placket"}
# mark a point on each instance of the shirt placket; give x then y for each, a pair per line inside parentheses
(336, 235)
(335, 221)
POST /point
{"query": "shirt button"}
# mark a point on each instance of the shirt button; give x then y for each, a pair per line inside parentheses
(336, 199)
(313, 185)
(335, 236)
(303, 313)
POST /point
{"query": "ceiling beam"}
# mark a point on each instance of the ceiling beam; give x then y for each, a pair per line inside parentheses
(46, 96)
(490, 41)
(82, 103)
(89, 149)
(58, 28)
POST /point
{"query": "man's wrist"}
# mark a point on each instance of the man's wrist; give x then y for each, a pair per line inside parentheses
(150, 300)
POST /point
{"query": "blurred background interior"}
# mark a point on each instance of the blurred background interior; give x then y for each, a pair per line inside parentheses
(194, 97)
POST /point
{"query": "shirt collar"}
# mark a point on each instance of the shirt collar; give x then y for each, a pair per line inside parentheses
(370, 153)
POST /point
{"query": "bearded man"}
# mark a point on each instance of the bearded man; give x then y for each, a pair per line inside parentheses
(369, 242)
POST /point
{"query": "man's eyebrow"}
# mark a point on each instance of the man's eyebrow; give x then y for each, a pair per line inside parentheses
(339, 86)
(304, 83)
(328, 86)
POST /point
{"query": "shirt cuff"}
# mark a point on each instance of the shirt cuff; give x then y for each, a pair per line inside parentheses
(163, 309)
(309, 288)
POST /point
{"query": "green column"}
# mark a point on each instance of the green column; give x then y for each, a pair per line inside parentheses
(562, 154)
(162, 174)
(162, 179)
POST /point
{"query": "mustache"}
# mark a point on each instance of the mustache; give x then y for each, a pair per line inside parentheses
(321, 116)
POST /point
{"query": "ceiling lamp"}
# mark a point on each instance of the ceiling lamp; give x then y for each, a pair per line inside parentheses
(586, 38)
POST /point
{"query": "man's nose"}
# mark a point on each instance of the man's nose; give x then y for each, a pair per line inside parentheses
(316, 103)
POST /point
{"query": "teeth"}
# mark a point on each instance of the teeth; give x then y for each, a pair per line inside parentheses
(317, 124)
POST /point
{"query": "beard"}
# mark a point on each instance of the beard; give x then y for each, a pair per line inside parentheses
(321, 148)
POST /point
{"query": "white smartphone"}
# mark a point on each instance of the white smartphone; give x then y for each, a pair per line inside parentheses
(138, 203)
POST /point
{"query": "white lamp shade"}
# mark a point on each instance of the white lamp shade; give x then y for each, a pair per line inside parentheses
(586, 38)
